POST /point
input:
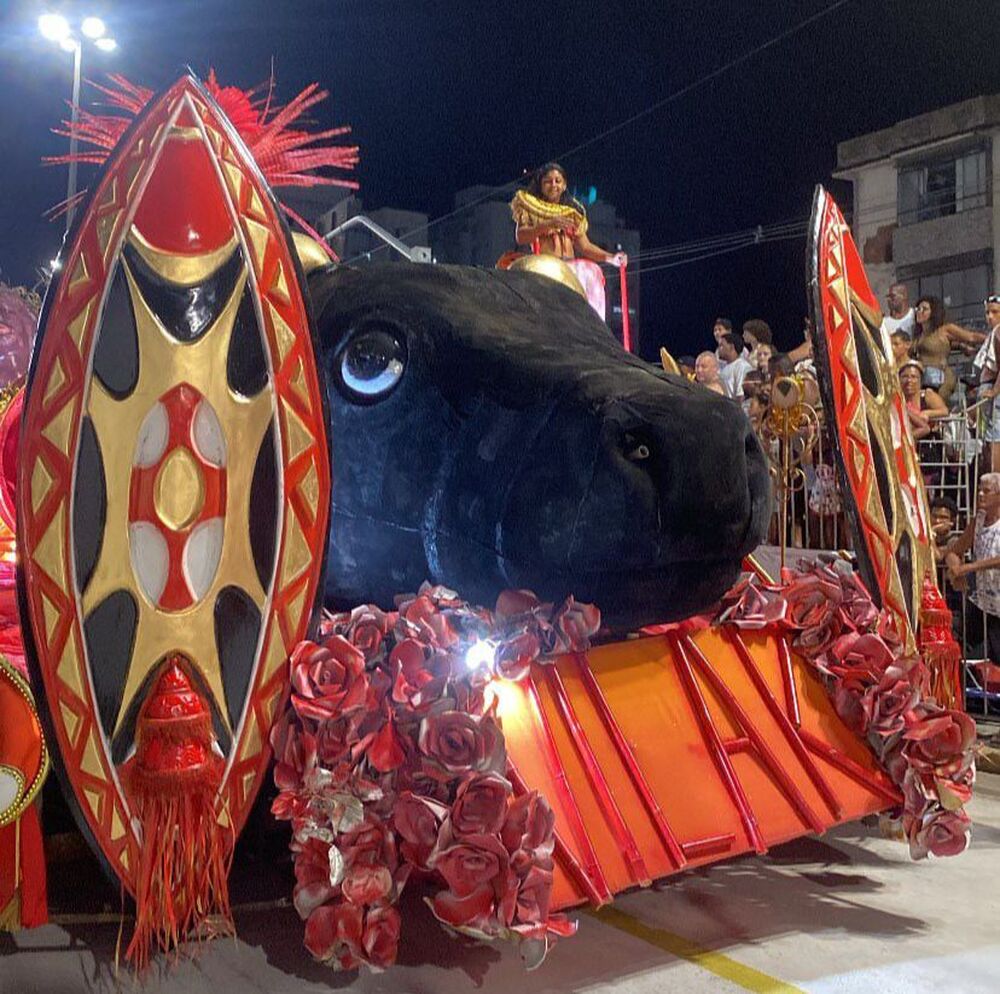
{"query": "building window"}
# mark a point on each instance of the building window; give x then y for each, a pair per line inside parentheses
(962, 290)
(941, 187)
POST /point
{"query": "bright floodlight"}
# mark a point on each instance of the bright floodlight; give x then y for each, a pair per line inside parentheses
(480, 654)
(55, 27)
(68, 44)
(93, 27)
(106, 44)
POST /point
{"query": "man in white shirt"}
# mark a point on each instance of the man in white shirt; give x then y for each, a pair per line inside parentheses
(734, 365)
(900, 316)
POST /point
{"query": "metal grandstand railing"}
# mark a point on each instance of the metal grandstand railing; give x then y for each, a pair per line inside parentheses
(950, 462)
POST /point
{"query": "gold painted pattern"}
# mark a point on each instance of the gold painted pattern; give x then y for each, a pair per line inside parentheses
(187, 270)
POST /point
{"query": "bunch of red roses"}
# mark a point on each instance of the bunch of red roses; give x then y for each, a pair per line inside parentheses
(879, 692)
(391, 762)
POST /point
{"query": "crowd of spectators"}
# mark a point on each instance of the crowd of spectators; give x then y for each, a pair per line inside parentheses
(949, 377)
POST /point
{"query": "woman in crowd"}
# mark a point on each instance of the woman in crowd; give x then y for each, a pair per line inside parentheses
(923, 405)
(552, 221)
(901, 345)
(982, 538)
(759, 341)
(987, 362)
(934, 339)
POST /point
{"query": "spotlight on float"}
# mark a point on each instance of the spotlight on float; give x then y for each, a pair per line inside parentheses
(480, 655)
(54, 27)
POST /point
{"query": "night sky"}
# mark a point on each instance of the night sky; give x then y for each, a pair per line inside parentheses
(442, 95)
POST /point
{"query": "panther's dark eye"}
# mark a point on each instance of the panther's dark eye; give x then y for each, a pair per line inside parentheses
(373, 360)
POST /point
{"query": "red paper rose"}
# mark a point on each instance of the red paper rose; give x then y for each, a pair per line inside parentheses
(514, 603)
(863, 657)
(371, 844)
(472, 911)
(328, 680)
(333, 742)
(415, 683)
(811, 599)
(855, 703)
(895, 697)
(814, 640)
(424, 615)
(469, 864)
(454, 742)
(753, 605)
(367, 883)
(312, 877)
(944, 833)
(417, 819)
(534, 895)
(334, 934)
(576, 623)
(515, 655)
(381, 937)
(367, 627)
(385, 751)
(480, 805)
(289, 744)
(857, 608)
(530, 824)
(940, 743)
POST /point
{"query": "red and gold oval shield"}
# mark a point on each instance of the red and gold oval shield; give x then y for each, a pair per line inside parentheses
(174, 479)
(884, 490)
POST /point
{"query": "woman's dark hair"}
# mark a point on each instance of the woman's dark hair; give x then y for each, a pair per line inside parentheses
(760, 330)
(535, 186)
(937, 311)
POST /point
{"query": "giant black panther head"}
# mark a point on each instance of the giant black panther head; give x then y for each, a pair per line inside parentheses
(488, 432)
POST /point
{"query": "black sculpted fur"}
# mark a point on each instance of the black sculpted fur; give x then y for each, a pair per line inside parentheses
(507, 440)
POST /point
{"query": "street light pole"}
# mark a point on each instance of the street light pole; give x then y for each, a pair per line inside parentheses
(74, 117)
(55, 28)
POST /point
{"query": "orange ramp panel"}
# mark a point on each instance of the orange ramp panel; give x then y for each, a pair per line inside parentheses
(664, 753)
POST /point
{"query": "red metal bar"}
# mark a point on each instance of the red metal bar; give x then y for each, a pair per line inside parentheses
(710, 846)
(716, 748)
(733, 746)
(788, 679)
(626, 326)
(630, 760)
(785, 783)
(613, 814)
(562, 853)
(568, 801)
(790, 733)
(848, 766)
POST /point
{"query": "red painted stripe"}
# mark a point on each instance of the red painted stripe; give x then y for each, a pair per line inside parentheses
(631, 761)
(571, 809)
(718, 751)
(613, 814)
(790, 733)
(785, 783)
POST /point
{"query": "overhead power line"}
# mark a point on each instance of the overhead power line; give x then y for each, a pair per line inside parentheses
(794, 235)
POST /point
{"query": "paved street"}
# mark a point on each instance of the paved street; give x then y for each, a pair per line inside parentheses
(846, 914)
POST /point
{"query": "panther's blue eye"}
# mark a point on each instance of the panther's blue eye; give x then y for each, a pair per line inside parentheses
(372, 361)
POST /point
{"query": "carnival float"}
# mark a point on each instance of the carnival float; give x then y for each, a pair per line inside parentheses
(236, 456)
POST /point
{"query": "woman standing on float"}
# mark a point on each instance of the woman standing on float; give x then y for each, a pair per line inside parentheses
(553, 222)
